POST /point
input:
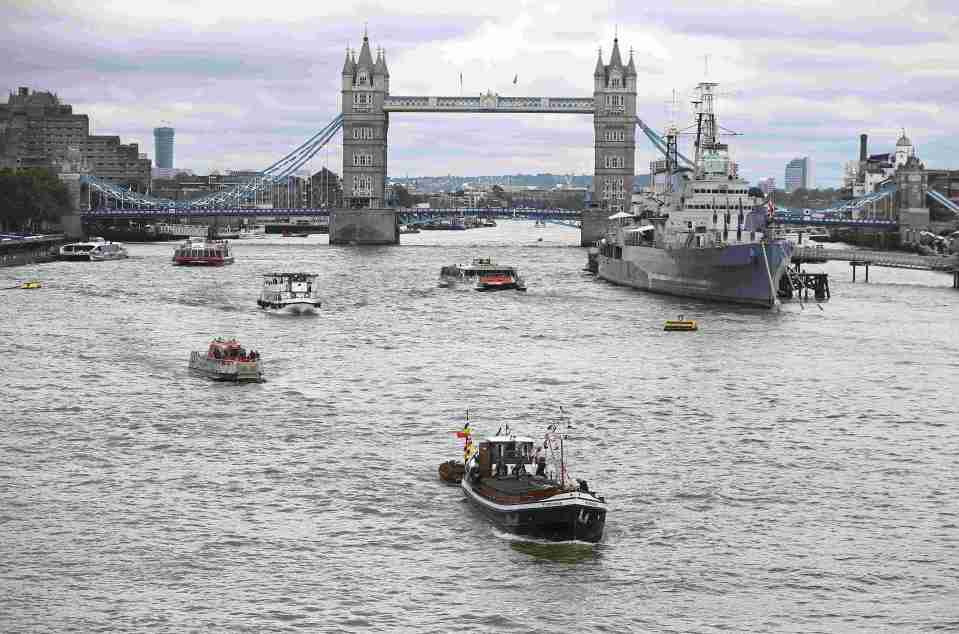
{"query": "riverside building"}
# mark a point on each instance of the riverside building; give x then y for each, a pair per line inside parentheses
(37, 130)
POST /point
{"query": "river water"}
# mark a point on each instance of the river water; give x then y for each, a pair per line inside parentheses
(791, 470)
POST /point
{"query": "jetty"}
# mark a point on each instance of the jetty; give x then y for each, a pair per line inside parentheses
(891, 259)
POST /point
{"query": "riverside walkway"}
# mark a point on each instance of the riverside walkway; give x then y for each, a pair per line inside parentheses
(891, 259)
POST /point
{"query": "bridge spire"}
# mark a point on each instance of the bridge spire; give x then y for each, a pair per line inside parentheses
(615, 61)
(600, 69)
(366, 57)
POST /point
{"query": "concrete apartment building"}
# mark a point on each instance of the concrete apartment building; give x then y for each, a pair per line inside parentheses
(37, 130)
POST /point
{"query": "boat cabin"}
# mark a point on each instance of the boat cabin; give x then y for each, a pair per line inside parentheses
(279, 285)
(502, 455)
(227, 350)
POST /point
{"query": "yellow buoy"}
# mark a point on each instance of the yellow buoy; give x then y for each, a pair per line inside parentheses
(30, 285)
(681, 325)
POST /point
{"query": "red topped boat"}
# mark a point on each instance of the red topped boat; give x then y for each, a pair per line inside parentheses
(203, 252)
(227, 360)
(500, 282)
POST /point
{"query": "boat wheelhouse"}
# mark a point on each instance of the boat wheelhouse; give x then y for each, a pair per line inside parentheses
(479, 267)
(289, 292)
(500, 282)
(95, 249)
(524, 487)
(203, 252)
(227, 360)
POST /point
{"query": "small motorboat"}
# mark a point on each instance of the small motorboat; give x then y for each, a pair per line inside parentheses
(95, 249)
(203, 252)
(289, 292)
(227, 360)
(500, 282)
(456, 273)
(524, 487)
(680, 325)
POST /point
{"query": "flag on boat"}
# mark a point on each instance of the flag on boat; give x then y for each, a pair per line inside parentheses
(771, 208)
(515, 79)
(466, 432)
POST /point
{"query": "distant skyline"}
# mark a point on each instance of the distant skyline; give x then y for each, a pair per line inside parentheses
(243, 84)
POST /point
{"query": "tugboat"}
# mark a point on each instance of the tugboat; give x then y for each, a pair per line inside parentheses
(500, 282)
(203, 252)
(96, 249)
(456, 273)
(529, 492)
(289, 292)
(226, 360)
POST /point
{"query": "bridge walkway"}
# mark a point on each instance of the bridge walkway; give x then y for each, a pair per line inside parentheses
(879, 258)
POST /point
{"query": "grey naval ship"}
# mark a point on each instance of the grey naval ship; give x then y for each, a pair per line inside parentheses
(704, 236)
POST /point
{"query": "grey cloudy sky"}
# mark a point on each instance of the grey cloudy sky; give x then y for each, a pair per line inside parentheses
(245, 82)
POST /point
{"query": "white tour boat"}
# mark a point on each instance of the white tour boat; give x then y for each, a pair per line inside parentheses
(289, 292)
(95, 250)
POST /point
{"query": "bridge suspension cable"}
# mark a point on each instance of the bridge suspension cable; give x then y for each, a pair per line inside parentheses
(237, 194)
(659, 142)
(942, 200)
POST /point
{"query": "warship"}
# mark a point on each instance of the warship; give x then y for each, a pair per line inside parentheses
(704, 236)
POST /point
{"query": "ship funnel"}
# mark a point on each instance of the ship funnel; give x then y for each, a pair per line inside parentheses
(862, 147)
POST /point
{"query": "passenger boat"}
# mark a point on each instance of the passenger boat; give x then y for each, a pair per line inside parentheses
(524, 487)
(500, 282)
(203, 252)
(226, 360)
(95, 250)
(289, 292)
(456, 273)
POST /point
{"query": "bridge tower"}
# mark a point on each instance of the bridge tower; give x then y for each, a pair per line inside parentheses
(614, 122)
(366, 83)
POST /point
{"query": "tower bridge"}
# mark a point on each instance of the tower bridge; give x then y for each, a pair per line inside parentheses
(364, 122)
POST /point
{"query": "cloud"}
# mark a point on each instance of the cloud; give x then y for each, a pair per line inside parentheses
(243, 82)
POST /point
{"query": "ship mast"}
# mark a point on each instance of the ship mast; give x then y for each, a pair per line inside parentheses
(706, 128)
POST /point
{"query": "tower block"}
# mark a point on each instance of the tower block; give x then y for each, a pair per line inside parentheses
(614, 122)
(366, 83)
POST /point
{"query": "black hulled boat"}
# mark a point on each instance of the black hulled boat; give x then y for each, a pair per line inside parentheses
(518, 490)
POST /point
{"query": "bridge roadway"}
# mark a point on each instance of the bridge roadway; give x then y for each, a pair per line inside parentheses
(889, 259)
(545, 214)
(249, 212)
(866, 223)
(490, 102)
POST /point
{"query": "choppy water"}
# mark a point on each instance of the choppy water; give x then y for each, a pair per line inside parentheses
(792, 471)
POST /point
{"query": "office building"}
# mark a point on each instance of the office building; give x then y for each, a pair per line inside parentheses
(163, 147)
(799, 174)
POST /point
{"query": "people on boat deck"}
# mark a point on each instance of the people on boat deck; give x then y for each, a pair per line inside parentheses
(540, 461)
(501, 469)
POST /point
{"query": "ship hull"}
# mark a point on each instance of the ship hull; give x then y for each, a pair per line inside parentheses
(240, 372)
(734, 274)
(574, 517)
(290, 308)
